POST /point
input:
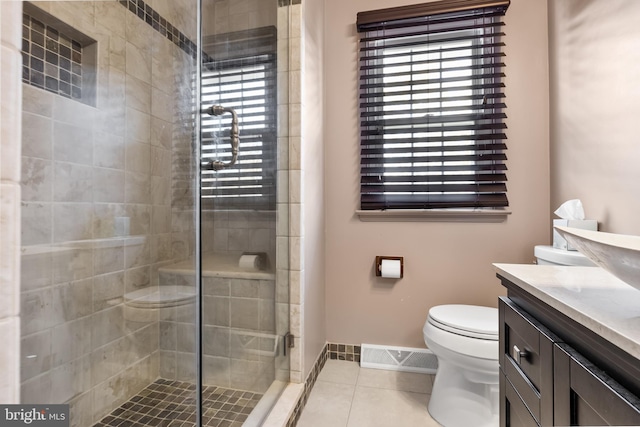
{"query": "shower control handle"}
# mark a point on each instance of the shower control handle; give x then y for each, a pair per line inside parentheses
(234, 135)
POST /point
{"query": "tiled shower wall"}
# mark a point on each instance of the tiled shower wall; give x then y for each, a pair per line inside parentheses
(100, 211)
(240, 346)
(238, 231)
(224, 16)
(10, 101)
(233, 231)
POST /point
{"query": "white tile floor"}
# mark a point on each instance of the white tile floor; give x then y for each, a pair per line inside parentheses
(346, 395)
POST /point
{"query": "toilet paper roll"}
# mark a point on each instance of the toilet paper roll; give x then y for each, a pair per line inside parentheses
(390, 268)
(250, 262)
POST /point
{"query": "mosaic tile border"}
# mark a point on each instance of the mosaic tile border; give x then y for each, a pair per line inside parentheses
(161, 25)
(331, 351)
(348, 352)
(308, 386)
(51, 59)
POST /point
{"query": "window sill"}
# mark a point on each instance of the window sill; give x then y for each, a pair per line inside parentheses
(434, 215)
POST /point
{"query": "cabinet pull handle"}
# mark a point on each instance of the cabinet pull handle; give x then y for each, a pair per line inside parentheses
(518, 354)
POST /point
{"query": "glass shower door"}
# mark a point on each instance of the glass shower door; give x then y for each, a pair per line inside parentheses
(109, 166)
(244, 273)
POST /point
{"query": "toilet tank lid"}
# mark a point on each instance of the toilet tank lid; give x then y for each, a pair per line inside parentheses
(561, 256)
(472, 318)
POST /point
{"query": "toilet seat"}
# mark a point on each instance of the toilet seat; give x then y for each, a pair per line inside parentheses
(466, 320)
(160, 297)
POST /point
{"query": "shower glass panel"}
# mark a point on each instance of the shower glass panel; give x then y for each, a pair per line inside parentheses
(243, 212)
(154, 287)
(109, 173)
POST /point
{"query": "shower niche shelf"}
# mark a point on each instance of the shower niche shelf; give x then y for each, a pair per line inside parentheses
(57, 57)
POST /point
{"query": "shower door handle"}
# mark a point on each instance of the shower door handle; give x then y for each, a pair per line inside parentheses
(234, 135)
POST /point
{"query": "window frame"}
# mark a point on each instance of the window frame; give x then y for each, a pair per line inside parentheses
(364, 19)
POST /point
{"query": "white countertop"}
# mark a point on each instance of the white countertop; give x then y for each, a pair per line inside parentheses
(589, 295)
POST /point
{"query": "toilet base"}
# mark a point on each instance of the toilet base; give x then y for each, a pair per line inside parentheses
(458, 402)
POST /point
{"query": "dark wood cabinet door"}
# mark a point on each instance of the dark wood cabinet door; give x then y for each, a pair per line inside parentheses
(586, 396)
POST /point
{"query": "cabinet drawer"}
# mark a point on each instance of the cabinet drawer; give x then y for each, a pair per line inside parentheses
(514, 411)
(526, 358)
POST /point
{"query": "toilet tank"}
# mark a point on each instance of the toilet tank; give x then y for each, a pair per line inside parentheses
(548, 255)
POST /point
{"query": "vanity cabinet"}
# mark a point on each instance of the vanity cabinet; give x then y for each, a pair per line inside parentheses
(545, 381)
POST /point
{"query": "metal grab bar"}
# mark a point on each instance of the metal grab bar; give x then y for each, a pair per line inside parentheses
(234, 135)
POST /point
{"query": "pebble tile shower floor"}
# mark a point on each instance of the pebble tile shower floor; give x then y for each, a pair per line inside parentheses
(168, 403)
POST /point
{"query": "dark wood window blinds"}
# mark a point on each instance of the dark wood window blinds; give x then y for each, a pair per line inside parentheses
(432, 106)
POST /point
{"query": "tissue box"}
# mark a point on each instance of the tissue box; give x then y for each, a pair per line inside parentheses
(559, 242)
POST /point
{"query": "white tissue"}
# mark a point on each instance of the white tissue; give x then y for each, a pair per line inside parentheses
(250, 262)
(390, 268)
(571, 209)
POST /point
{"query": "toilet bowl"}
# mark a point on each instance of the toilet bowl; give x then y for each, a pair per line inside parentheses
(465, 340)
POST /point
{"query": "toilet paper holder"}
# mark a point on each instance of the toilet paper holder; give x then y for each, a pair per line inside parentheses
(396, 258)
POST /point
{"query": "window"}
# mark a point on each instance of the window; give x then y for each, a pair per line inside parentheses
(240, 73)
(431, 106)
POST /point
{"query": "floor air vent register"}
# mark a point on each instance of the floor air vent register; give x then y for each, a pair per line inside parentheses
(399, 359)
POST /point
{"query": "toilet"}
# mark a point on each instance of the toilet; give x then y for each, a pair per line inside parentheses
(465, 340)
(548, 255)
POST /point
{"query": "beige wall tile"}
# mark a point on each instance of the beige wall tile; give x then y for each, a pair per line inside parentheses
(138, 60)
(138, 158)
(9, 249)
(137, 188)
(10, 99)
(138, 125)
(72, 182)
(36, 271)
(244, 313)
(72, 144)
(37, 101)
(138, 95)
(71, 262)
(72, 221)
(216, 341)
(37, 307)
(73, 113)
(37, 134)
(217, 371)
(108, 290)
(216, 311)
(37, 179)
(71, 301)
(36, 223)
(108, 150)
(70, 379)
(107, 185)
(37, 389)
(106, 326)
(35, 354)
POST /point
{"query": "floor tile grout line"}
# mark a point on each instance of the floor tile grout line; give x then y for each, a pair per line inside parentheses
(353, 396)
(392, 389)
(353, 413)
